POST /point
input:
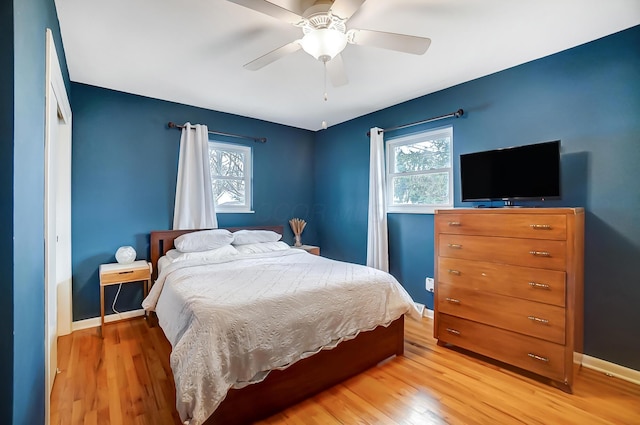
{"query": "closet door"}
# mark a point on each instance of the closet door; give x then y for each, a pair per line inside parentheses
(57, 214)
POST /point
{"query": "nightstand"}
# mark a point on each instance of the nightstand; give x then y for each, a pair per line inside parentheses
(116, 273)
(315, 250)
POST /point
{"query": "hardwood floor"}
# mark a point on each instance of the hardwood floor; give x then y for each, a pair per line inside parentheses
(126, 379)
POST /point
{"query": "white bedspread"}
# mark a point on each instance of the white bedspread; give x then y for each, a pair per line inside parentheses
(231, 322)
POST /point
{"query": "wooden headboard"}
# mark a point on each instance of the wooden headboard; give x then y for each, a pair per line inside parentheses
(162, 241)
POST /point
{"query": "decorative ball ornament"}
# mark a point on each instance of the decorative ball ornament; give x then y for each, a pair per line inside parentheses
(125, 255)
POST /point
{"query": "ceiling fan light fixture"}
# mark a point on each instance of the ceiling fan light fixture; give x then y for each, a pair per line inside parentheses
(324, 44)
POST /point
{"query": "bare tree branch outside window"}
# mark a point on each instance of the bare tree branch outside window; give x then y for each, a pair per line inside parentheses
(228, 175)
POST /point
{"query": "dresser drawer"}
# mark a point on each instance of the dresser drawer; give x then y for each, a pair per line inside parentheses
(546, 286)
(526, 317)
(541, 357)
(539, 253)
(536, 226)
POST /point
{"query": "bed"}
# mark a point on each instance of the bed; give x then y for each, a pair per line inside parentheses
(304, 377)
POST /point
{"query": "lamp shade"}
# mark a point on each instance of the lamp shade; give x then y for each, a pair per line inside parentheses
(324, 44)
(125, 255)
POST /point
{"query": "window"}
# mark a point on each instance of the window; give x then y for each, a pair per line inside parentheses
(420, 172)
(230, 177)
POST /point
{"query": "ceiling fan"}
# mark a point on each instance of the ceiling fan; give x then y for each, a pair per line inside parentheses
(325, 34)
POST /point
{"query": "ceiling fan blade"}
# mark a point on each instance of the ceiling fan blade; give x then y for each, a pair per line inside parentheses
(388, 40)
(270, 9)
(273, 56)
(346, 8)
(336, 71)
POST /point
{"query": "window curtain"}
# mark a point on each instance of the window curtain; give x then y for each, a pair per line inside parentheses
(377, 238)
(194, 207)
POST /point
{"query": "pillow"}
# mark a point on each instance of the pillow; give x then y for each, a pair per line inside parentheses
(255, 248)
(244, 237)
(222, 253)
(203, 240)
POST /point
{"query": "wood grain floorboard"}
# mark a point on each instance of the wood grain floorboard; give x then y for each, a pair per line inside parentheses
(126, 378)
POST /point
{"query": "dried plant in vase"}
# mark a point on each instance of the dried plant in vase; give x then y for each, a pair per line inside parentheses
(297, 225)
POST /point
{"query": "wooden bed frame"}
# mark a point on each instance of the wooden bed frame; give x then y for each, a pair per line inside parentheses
(284, 388)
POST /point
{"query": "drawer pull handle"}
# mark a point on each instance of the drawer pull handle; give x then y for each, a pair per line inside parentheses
(539, 285)
(454, 223)
(456, 272)
(453, 300)
(127, 272)
(455, 246)
(535, 356)
(538, 320)
(540, 226)
(540, 253)
(453, 331)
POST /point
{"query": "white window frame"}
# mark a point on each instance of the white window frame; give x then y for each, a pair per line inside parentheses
(391, 172)
(248, 177)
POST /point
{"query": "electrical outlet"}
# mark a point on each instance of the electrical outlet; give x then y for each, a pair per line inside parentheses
(428, 284)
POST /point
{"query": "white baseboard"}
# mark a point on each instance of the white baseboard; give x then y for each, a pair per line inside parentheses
(94, 322)
(424, 311)
(611, 369)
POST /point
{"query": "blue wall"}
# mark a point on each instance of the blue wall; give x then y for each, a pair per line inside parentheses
(588, 98)
(6, 207)
(125, 163)
(30, 19)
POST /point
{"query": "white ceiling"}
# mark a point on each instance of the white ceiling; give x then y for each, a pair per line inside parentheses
(192, 51)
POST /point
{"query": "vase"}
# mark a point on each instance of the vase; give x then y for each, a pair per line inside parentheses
(298, 241)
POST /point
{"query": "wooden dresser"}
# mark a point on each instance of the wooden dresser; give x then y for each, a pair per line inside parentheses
(509, 285)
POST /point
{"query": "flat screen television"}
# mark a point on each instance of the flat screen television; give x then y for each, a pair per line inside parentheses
(525, 172)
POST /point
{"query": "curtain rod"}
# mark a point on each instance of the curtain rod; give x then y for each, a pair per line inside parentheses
(456, 114)
(219, 133)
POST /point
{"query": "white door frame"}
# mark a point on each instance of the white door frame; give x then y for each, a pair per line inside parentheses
(57, 214)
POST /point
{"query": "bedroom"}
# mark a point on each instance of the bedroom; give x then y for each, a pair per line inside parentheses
(555, 101)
